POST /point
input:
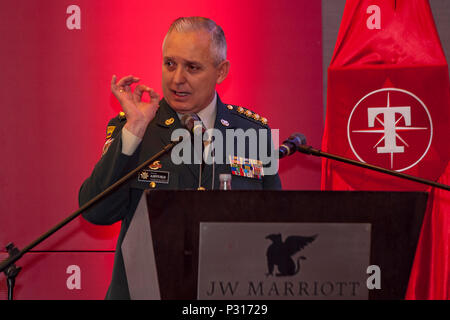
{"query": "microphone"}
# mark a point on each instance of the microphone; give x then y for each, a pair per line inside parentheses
(193, 123)
(195, 126)
(292, 144)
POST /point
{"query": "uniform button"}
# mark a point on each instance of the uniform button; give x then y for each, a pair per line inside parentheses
(152, 184)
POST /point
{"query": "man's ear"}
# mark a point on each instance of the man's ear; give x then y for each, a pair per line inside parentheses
(223, 68)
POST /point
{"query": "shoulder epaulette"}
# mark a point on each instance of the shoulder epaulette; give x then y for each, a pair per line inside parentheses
(113, 123)
(122, 116)
(248, 114)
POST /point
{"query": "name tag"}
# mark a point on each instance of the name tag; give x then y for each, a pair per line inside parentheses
(147, 175)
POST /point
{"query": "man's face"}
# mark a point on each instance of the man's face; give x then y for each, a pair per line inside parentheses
(189, 74)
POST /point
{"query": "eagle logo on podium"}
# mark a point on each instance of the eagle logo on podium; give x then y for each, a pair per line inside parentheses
(280, 254)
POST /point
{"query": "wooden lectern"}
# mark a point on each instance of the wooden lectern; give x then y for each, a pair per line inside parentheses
(161, 248)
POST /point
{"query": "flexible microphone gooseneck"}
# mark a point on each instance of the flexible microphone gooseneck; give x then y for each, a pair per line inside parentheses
(195, 126)
(297, 142)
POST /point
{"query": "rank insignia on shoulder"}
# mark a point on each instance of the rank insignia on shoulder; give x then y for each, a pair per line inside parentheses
(248, 114)
(109, 131)
(244, 167)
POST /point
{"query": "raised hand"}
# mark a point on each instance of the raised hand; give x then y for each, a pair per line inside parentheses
(139, 113)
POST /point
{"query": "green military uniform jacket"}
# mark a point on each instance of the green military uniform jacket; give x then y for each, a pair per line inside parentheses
(121, 205)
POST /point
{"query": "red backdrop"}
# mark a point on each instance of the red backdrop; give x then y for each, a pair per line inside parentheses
(55, 101)
(385, 65)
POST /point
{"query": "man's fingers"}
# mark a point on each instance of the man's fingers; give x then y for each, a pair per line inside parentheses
(138, 91)
(123, 85)
(128, 80)
(154, 96)
(115, 89)
(123, 81)
(152, 93)
(114, 86)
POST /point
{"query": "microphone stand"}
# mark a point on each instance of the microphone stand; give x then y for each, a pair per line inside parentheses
(318, 153)
(8, 267)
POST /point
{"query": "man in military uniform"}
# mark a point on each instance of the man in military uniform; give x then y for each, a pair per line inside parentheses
(194, 62)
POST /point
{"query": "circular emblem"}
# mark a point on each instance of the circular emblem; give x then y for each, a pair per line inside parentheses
(390, 128)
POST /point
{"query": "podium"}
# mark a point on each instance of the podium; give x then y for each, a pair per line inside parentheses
(161, 247)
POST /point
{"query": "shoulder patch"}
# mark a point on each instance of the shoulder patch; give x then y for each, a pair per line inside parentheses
(115, 125)
(248, 114)
(109, 131)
